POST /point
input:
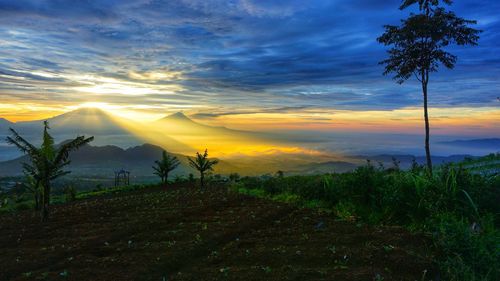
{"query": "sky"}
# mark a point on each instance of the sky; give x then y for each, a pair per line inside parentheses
(245, 64)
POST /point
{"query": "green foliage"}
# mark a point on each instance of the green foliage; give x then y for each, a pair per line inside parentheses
(202, 164)
(234, 177)
(113, 190)
(468, 254)
(419, 46)
(47, 161)
(166, 165)
(457, 206)
(69, 193)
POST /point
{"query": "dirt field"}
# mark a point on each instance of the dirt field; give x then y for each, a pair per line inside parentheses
(186, 234)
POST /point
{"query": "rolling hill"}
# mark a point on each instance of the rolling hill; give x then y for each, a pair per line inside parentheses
(175, 132)
(492, 144)
(102, 161)
(83, 121)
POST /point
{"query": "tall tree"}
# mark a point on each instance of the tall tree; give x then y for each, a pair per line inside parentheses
(47, 161)
(202, 164)
(163, 167)
(419, 47)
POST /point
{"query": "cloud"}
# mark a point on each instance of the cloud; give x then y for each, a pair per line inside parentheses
(215, 114)
(237, 55)
(59, 8)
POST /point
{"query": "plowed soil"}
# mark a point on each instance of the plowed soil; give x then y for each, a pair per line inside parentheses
(188, 234)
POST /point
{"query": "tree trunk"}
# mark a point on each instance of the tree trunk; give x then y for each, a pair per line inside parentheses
(166, 180)
(36, 193)
(202, 179)
(37, 200)
(45, 201)
(427, 126)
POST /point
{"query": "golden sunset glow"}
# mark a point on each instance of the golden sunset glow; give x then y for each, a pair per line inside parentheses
(246, 93)
(408, 120)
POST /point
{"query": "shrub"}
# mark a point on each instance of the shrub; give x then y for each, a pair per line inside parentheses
(69, 193)
(468, 254)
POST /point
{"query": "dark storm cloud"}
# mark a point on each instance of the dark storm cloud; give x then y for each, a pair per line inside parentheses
(254, 53)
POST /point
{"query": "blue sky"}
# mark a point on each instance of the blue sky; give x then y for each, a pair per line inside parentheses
(220, 58)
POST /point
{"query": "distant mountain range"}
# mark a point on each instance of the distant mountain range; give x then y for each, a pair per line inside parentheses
(491, 143)
(84, 121)
(175, 132)
(119, 143)
(4, 123)
(104, 160)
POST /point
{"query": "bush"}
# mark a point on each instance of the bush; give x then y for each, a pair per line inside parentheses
(69, 193)
(468, 254)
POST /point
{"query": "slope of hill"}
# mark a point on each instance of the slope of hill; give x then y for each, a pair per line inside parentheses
(5, 124)
(106, 128)
(83, 121)
(178, 122)
(104, 160)
(175, 132)
(184, 233)
(79, 121)
(219, 140)
(491, 143)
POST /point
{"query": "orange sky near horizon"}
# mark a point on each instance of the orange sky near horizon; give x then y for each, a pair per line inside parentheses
(460, 121)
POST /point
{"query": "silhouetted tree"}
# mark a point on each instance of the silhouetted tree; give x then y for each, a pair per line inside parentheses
(47, 161)
(165, 166)
(202, 164)
(418, 47)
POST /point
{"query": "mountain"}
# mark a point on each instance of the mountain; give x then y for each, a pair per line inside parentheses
(80, 121)
(179, 123)
(83, 121)
(175, 133)
(5, 124)
(106, 129)
(492, 144)
(218, 140)
(102, 161)
(179, 118)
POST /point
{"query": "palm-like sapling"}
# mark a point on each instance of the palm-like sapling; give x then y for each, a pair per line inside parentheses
(163, 167)
(47, 161)
(202, 164)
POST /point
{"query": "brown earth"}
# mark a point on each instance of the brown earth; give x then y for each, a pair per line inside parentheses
(188, 234)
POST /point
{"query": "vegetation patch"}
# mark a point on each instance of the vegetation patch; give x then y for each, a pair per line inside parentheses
(457, 206)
